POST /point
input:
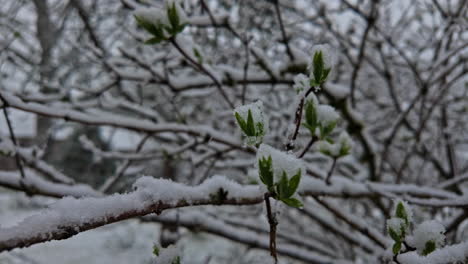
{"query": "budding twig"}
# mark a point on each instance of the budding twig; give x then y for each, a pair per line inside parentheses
(298, 118)
(273, 223)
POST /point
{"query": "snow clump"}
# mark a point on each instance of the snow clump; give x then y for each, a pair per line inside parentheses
(281, 161)
(430, 230)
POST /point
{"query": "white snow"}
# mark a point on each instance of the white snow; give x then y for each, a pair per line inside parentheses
(24, 124)
(156, 16)
(334, 149)
(396, 225)
(71, 215)
(326, 114)
(450, 254)
(429, 230)
(301, 82)
(167, 255)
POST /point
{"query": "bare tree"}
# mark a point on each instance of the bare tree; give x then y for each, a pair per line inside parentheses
(98, 69)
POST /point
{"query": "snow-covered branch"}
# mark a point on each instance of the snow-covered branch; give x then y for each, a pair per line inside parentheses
(70, 216)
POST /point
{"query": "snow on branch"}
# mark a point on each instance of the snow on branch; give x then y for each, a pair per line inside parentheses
(218, 227)
(37, 185)
(343, 187)
(29, 158)
(450, 254)
(70, 216)
(119, 121)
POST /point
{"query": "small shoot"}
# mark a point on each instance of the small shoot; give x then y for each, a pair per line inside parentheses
(429, 248)
(285, 188)
(162, 24)
(320, 71)
(252, 122)
(311, 119)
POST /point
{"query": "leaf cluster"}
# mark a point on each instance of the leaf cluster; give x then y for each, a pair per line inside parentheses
(284, 189)
(249, 126)
(160, 31)
(399, 237)
(312, 122)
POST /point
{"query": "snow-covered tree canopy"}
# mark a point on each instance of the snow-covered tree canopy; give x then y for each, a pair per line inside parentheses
(303, 131)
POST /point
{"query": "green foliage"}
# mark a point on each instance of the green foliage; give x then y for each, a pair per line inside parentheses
(155, 250)
(396, 247)
(176, 260)
(266, 171)
(326, 130)
(293, 202)
(394, 235)
(159, 31)
(429, 247)
(312, 123)
(240, 121)
(344, 150)
(174, 20)
(320, 72)
(311, 120)
(198, 55)
(285, 189)
(400, 212)
(250, 127)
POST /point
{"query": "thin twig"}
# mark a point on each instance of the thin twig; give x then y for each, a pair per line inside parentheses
(273, 223)
(283, 30)
(15, 142)
(309, 145)
(298, 118)
(202, 69)
(330, 172)
(246, 68)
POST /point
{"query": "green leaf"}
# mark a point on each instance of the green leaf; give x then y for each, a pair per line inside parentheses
(250, 128)
(156, 250)
(293, 184)
(282, 186)
(173, 18)
(394, 235)
(344, 150)
(293, 202)
(318, 66)
(429, 248)
(259, 131)
(311, 116)
(241, 122)
(400, 212)
(326, 130)
(326, 72)
(396, 247)
(153, 41)
(176, 260)
(198, 55)
(148, 26)
(265, 166)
